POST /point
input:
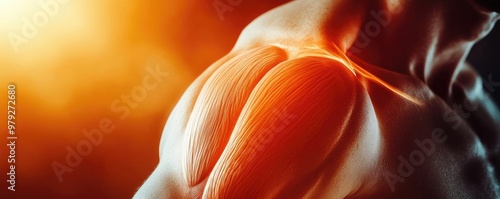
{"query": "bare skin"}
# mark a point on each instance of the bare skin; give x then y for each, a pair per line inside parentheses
(298, 109)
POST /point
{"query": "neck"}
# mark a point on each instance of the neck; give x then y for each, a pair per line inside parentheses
(429, 41)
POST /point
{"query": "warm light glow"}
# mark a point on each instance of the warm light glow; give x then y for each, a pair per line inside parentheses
(12, 11)
(74, 59)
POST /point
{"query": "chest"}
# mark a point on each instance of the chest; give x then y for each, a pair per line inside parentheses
(435, 151)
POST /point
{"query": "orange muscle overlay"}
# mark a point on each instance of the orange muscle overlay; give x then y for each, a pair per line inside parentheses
(253, 120)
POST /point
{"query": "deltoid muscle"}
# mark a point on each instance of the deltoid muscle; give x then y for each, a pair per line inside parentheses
(268, 122)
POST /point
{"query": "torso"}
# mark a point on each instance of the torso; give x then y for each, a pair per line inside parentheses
(457, 161)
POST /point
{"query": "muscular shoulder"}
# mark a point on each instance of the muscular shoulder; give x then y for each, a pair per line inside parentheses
(292, 116)
(261, 114)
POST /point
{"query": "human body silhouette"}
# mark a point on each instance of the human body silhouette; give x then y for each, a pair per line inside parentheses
(302, 107)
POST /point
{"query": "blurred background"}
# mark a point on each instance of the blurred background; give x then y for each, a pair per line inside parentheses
(76, 63)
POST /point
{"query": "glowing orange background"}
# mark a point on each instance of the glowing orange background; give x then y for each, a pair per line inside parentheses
(83, 59)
